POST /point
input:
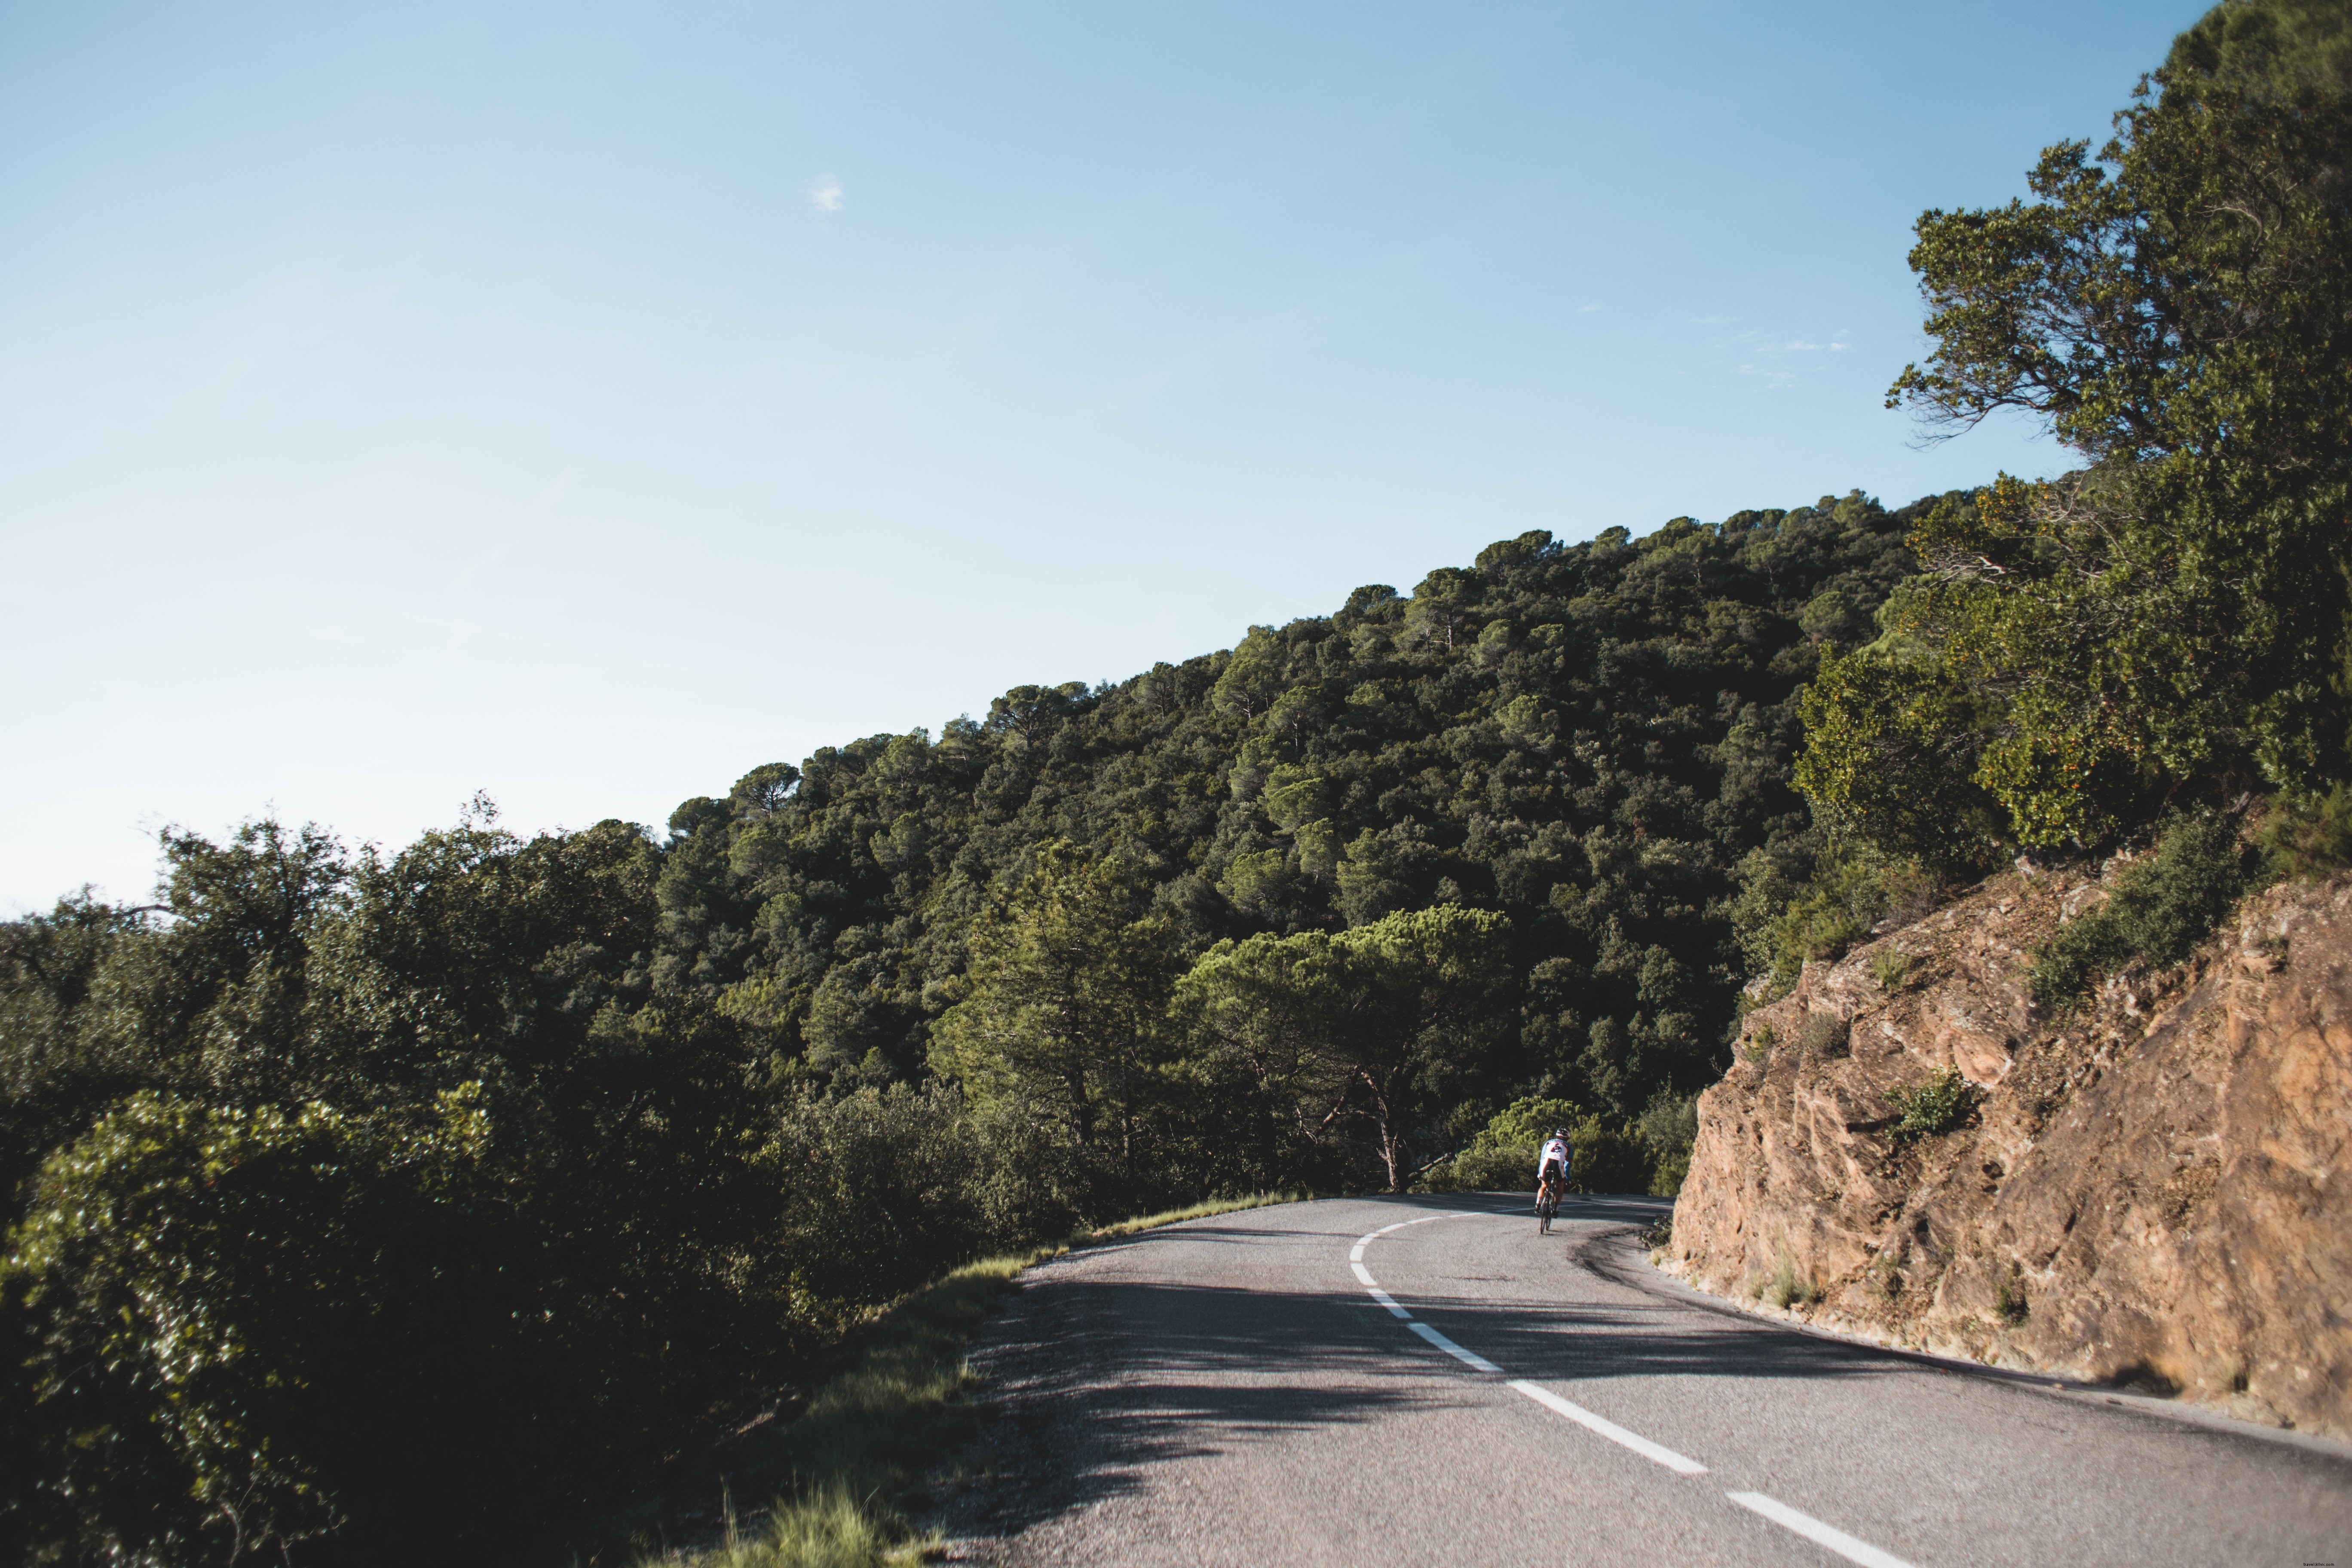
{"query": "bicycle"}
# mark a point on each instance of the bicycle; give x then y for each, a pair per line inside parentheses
(1547, 1206)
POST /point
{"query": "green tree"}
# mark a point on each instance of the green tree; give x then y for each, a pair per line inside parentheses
(1263, 1010)
(1423, 992)
(1063, 999)
(2174, 618)
(206, 1297)
(1377, 1023)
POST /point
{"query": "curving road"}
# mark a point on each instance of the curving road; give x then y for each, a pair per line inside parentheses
(1405, 1380)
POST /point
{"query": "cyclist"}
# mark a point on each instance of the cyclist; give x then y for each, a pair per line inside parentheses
(1553, 1165)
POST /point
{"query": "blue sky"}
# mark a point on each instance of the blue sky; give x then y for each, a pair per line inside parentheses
(587, 403)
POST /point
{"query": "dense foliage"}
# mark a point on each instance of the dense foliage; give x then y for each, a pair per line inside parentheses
(2160, 908)
(1585, 740)
(360, 1203)
(2171, 624)
(358, 1181)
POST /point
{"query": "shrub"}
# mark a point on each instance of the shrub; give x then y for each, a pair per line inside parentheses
(2008, 1301)
(1780, 922)
(1502, 1156)
(2159, 910)
(2309, 838)
(210, 1299)
(1938, 1106)
(1889, 967)
(1786, 1287)
(884, 1189)
(1824, 1035)
(1669, 1130)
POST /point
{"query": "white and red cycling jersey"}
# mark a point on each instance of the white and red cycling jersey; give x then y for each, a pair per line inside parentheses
(1554, 1152)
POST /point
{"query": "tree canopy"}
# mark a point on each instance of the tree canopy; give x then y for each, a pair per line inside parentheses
(2172, 621)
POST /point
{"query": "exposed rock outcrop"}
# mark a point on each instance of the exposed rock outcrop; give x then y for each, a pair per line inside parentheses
(2150, 1187)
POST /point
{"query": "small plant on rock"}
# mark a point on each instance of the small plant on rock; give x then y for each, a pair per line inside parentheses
(1935, 1108)
(1888, 968)
(2159, 910)
(2309, 838)
(2009, 1301)
(1786, 1288)
(1825, 1034)
(1760, 1044)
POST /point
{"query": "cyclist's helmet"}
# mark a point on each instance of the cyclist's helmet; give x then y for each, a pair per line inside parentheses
(1560, 1132)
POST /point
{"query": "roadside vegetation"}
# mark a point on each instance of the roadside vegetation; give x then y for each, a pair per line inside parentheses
(844, 1477)
(2151, 651)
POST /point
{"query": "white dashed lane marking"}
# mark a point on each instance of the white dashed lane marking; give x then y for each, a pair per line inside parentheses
(1814, 1530)
(1577, 1413)
(1852, 1547)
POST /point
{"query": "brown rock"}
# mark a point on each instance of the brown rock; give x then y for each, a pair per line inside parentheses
(2151, 1188)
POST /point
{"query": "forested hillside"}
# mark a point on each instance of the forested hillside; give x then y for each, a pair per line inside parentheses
(540, 1152)
(1584, 738)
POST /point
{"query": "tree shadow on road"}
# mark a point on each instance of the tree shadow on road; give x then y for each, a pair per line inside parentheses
(1097, 1379)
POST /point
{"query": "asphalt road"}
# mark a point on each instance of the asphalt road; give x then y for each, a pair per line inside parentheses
(1231, 1391)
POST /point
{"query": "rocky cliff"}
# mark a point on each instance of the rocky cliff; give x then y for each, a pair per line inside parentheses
(2148, 1187)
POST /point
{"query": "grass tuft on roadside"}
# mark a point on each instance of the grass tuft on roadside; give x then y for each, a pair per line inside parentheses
(830, 1528)
(1202, 1210)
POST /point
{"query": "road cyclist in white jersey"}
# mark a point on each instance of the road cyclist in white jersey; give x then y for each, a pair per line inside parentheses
(1553, 1166)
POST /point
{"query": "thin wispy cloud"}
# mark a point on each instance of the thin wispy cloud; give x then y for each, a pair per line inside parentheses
(824, 196)
(1582, 310)
(1711, 321)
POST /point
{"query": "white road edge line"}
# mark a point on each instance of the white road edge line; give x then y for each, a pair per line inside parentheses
(1657, 1452)
(1385, 1299)
(1814, 1530)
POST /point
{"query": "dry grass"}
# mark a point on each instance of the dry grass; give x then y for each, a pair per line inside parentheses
(1173, 1217)
(1786, 1288)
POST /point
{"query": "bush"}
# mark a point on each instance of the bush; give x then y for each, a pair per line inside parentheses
(1786, 1288)
(1824, 1035)
(1502, 1156)
(1782, 922)
(885, 1189)
(1938, 1106)
(243, 1330)
(2309, 838)
(2009, 1301)
(2159, 910)
(1889, 968)
(1669, 1130)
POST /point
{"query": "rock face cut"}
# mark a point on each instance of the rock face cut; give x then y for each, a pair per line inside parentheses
(2149, 1187)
